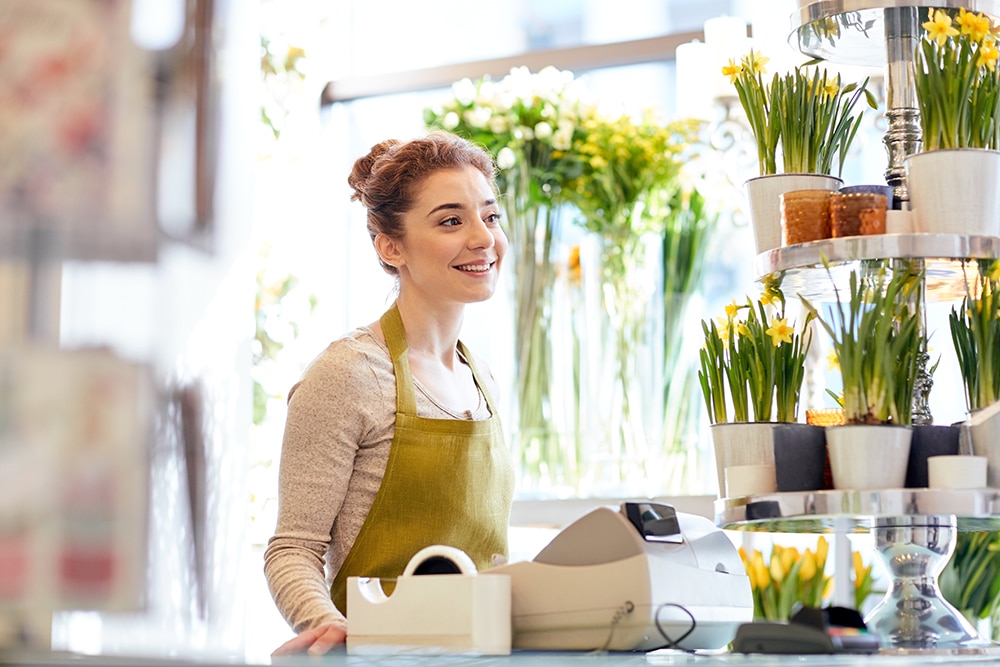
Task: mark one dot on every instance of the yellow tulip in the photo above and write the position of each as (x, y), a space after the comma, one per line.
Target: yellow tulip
(789, 557)
(776, 570)
(808, 568)
(822, 548)
(760, 571)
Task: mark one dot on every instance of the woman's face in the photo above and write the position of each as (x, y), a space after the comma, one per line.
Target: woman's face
(452, 245)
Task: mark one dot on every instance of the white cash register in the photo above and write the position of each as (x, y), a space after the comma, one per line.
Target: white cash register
(642, 578)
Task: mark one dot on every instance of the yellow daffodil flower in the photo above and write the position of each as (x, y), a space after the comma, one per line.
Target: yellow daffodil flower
(939, 27)
(832, 88)
(780, 332)
(757, 62)
(976, 26)
(722, 326)
(742, 329)
(732, 69)
(832, 361)
(732, 309)
(988, 54)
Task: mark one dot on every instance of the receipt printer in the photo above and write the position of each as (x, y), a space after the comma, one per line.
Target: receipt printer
(642, 578)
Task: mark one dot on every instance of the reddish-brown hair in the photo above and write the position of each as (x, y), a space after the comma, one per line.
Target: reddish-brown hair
(386, 180)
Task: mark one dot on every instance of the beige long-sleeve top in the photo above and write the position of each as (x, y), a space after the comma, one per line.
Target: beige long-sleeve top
(340, 424)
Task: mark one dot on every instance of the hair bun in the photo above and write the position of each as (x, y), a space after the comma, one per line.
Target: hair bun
(365, 166)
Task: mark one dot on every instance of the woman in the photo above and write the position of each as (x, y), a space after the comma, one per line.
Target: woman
(392, 441)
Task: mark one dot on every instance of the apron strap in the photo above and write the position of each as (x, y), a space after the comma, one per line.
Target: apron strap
(395, 339)
(479, 380)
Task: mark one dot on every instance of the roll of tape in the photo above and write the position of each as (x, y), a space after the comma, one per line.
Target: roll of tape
(437, 555)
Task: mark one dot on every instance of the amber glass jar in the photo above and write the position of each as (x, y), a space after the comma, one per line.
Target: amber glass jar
(805, 216)
(857, 213)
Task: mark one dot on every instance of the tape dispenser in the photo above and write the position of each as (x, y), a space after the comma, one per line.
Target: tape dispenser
(440, 606)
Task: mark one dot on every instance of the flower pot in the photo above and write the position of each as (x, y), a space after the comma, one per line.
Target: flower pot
(929, 440)
(740, 444)
(955, 191)
(799, 457)
(984, 433)
(763, 193)
(864, 456)
(796, 451)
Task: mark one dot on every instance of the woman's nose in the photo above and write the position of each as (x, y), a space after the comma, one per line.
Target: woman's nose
(481, 236)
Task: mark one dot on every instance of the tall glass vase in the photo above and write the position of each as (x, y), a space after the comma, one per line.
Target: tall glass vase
(619, 404)
(683, 465)
(545, 465)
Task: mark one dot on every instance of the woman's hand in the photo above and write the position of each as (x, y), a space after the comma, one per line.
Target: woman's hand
(316, 641)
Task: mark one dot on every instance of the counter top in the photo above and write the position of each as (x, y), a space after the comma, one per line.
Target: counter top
(664, 658)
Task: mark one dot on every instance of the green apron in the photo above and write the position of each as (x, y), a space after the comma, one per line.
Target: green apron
(447, 481)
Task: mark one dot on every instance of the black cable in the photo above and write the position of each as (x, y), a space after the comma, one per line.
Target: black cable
(673, 643)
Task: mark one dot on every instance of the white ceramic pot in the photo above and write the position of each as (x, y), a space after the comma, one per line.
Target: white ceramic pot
(741, 444)
(955, 191)
(984, 431)
(864, 456)
(764, 196)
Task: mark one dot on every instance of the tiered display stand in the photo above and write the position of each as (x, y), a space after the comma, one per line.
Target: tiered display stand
(914, 529)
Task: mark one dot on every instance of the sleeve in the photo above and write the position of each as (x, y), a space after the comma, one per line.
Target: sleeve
(327, 422)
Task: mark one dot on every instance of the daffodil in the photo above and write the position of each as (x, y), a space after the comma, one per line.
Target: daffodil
(732, 309)
(732, 69)
(874, 333)
(762, 370)
(780, 332)
(988, 55)
(804, 117)
(976, 26)
(939, 26)
(722, 323)
(756, 63)
(956, 81)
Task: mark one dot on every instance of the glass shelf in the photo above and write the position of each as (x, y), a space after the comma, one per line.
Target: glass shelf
(852, 32)
(914, 531)
(949, 261)
(855, 511)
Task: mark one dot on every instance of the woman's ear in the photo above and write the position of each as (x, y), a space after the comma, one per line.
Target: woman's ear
(388, 250)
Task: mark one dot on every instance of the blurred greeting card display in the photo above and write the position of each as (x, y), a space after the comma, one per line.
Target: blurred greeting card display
(74, 470)
(76, 134)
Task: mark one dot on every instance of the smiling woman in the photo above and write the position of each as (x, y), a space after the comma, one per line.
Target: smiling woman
(360, 491)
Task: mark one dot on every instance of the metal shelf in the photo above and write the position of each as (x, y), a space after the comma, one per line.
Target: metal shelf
(856, 511)
(949, 262)
(853, 31)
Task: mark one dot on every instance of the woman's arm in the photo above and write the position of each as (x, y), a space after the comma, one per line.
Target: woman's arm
(334, 425)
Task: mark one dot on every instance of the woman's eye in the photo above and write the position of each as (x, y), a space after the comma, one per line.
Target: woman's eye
(451, 222)
(492, 219)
